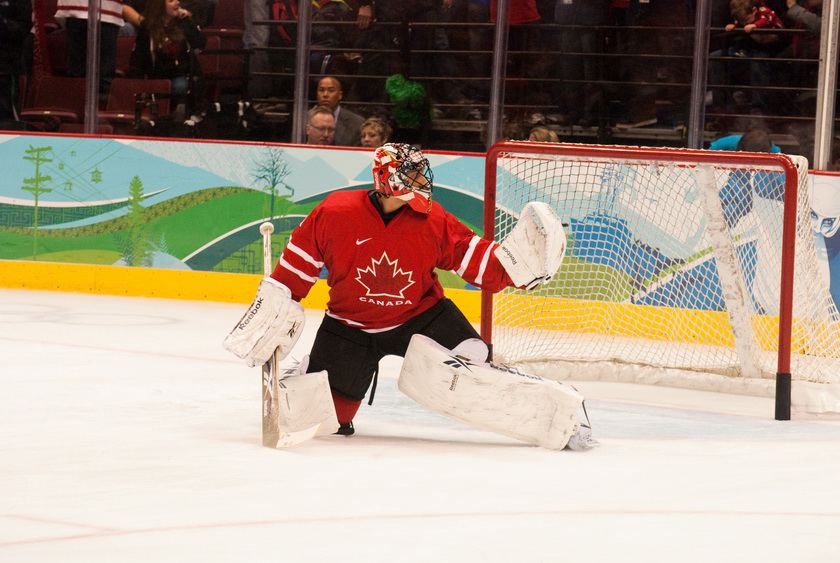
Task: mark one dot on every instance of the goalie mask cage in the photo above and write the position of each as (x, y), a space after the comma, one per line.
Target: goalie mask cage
(688, 268)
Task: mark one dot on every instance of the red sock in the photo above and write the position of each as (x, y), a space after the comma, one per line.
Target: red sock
(345, 409)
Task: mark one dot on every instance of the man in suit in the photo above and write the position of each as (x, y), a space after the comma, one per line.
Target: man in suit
(348, 125)
(320, 129)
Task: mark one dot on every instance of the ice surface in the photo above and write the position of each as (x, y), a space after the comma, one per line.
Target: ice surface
(129, 434)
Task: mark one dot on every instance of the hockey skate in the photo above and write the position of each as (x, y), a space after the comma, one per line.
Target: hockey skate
(346, 429)
(582, 439)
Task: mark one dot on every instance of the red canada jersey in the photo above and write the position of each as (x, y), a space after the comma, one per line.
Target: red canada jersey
(380, 276)
(765, 17)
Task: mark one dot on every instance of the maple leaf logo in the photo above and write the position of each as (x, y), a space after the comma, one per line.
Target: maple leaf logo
(384, 278)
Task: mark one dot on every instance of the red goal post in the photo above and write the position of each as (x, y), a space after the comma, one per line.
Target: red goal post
(626, 210)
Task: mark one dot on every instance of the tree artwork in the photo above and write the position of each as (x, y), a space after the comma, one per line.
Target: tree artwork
(269, 173)
(137, 248)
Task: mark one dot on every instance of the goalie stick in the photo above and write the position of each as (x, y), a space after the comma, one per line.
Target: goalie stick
(270, 376)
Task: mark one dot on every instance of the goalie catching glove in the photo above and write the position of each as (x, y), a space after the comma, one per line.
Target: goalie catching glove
(273, 322)
(533, 250)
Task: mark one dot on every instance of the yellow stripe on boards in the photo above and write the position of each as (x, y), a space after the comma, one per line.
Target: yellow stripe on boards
(170, 284)
(668, 324)
(618, 319)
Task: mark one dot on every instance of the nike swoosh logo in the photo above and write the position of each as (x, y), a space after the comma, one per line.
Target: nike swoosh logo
(362, 241)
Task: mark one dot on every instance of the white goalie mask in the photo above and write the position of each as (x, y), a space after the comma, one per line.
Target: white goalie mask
(825, 205)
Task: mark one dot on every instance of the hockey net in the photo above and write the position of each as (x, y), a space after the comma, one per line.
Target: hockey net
(673, 273)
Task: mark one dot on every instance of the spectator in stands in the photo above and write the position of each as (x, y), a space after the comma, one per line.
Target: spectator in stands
(331, 44)
(74, 13)
(580, 102)
(15, 21)
(375, 132)
(753, 140)
(543, 135)
(808, 16)
(512, 129)
(320, 129)
(479, 39)
(523, 35)
(439, 63)
(166, 46)
(132, 13)
(364, 38)
(348, 124)
(391, 31)
(202, 10)
(255, 39)
(199, 10)
(369, 36)
(651, 97)
(364, 14)
(755, 15)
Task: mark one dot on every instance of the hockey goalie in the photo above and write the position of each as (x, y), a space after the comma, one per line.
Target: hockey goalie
(381, 248)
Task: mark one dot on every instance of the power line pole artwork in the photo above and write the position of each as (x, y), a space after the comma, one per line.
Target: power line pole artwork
(37, 187)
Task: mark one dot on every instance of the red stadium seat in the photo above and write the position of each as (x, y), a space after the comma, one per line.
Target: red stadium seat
(228, 19)
(54, 99)
(122, 110)
(125, 45)
(221, 73)
(57, 51)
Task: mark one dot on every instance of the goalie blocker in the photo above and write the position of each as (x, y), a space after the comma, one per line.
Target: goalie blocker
(526, 407)
(273, 322)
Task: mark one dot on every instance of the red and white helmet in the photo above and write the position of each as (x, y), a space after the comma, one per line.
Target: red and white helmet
(401, 171)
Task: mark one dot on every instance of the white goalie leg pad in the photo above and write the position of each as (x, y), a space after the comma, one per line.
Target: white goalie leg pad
(521, 406)
(274, 321)
(305, 404)
(533, 250)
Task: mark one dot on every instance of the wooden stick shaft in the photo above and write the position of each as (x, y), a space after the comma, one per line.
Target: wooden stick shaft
(266, 233)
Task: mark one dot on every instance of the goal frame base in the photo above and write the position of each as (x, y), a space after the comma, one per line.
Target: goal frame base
(804, 398)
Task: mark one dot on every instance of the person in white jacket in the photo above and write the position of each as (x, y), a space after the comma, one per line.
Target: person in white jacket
(74, 14)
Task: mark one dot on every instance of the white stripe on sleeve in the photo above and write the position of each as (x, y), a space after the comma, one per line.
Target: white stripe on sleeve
(468, 256)
(484, 260)
(297, 272)
(303, 254)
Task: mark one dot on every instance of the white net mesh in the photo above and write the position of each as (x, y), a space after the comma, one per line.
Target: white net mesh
(667, 261)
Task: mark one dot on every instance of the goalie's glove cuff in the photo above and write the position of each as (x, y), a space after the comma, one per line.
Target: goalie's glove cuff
(536, 282)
